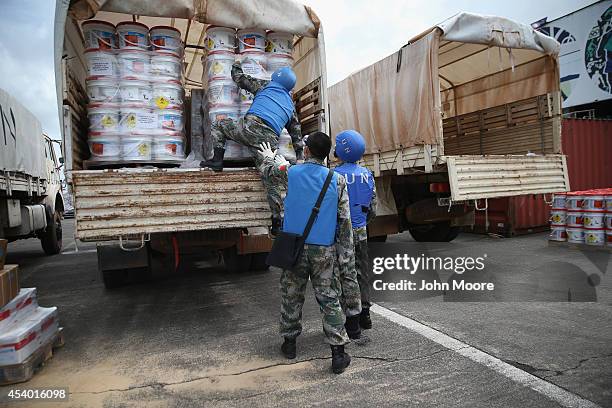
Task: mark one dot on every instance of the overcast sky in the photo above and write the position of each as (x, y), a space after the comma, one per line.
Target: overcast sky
(357, 33)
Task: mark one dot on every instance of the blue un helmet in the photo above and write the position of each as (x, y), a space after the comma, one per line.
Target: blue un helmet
(285, 77)
(350, 146)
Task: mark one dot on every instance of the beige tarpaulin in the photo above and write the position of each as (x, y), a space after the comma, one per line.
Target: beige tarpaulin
(467, 63)
(279, 15)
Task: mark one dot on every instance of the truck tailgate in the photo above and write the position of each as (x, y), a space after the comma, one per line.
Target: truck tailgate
(476, 177)
(113, 203)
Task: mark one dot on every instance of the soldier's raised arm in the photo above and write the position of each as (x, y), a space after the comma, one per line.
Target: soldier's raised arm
(247, 82)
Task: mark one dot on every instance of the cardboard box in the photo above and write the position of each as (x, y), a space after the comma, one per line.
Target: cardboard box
(9, 283)
(3, 246)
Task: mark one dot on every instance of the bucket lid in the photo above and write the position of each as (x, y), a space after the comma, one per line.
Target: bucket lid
(131, 23)
(174, 83)
(218, 26)
(135, 105)
(283, 56)
(90, 22)
(103, 105)
(133, 82)
(171, 108)
(163, 27)
(114, 135)
(251, 31)
(253, 51)
(132, 51)
(219, 53)
(165, 54)
(223, 106)
(102, 51)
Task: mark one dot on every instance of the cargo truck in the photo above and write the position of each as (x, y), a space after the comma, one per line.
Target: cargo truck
(466, 111)
(31, 204)
(144, 219)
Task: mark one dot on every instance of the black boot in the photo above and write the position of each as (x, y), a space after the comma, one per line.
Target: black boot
(364, 319)
(340, 359)
(288, 348)
(352, 327)
(277, 223)
(216, 163)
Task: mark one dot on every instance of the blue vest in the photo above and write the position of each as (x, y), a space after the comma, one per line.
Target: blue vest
(273, 105)
(304, 185)
(360, 185)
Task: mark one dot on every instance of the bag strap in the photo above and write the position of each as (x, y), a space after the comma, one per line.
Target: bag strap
(317, 206)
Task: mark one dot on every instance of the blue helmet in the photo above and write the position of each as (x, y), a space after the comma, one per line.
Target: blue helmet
(350, 146)
(285, 77)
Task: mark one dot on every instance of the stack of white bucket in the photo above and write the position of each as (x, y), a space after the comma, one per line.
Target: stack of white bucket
(135, 90)
(225, 99)
(582, 217)
(25, 327)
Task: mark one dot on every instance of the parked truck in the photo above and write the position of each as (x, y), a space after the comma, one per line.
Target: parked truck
(466, 111)
(145, 219)
(31, 204)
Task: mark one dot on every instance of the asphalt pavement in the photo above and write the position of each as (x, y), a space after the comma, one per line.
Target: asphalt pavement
(209, 338)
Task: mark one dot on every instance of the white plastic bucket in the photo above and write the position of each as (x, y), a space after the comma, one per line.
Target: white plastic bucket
(557, 217)
(137, 118)
(133, 91)
(133, 35)
(220, 38)
(593, 220)
(254, 63)
(595, 237)
(136, 147)
(103, 90)
(220, 112)
(223, 92)
(279, 61)
(167, 93)
(575, 235)
(98, 35)
(280, 43)
(217, 65)
(166, 39)
(557, 233)
(609, 202)
(104, 146)
(101, 64)
(594, 203)
(558, 201)
(573, 202)
(608, 220)
(164, 65)
(103, 117)
(574, 219)
(169, 147)
(285, 146)
(170, 118)
(134, 64)
(251, 39)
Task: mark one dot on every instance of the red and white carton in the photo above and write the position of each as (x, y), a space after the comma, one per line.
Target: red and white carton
(24, 337)
(19, 308)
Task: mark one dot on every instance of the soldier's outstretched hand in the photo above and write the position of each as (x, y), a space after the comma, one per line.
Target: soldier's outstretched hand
(265, 150)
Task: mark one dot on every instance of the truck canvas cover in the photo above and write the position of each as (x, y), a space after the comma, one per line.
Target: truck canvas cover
(21, 145)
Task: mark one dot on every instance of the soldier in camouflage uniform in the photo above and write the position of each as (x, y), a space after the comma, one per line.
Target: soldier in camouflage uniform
(350, 146)
(320, 262)
(262, 123)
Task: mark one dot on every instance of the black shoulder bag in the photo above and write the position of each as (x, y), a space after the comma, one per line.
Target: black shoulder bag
(288, 246)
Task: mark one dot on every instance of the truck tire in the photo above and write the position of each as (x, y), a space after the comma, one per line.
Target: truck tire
(258, 261)
(234, 262)
(438, 232)
(378, 238)
(51, 238)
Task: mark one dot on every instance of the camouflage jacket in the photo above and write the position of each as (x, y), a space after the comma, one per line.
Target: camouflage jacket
(361, 233)
(254, 85)
(344, 229)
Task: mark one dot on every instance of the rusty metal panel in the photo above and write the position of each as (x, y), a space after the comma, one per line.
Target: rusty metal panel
(477, 177)
(587, 143)
(114, 203)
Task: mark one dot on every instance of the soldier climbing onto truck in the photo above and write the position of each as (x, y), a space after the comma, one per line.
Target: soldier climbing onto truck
(328, 249)
(271, 111)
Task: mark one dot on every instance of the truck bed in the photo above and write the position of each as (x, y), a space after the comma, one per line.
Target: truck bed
(116, 203)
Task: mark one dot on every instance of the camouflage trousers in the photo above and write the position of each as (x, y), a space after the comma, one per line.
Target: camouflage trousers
(317, 263)
(363, 272)
(252, 134)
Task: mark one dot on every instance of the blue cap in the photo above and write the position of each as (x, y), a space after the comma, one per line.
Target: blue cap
(350, 146)
(285, 77)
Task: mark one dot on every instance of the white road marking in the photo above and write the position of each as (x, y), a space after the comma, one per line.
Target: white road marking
(549, 390)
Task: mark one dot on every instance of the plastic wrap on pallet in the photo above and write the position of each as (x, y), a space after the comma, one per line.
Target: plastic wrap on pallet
(18, 308)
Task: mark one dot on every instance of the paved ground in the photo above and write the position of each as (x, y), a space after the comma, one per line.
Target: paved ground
(207, 338)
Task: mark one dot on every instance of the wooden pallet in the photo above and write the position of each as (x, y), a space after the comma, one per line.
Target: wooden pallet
(309, 106)
(581, 247)
(18, 373)
(117, 164)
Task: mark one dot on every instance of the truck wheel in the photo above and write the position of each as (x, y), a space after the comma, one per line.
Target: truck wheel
(51, 238)
(258, 261)
(378, 238)
(234, 262)
(438, 232)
